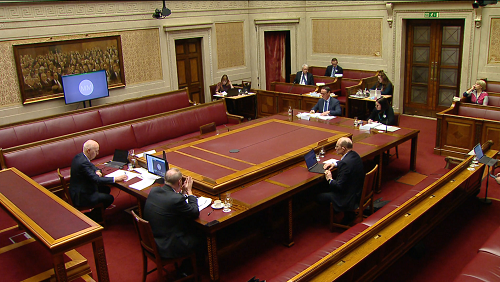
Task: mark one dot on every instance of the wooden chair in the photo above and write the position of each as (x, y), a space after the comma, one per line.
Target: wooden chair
(365, 201)
(209, 127)
(150, 250)
(67, 197)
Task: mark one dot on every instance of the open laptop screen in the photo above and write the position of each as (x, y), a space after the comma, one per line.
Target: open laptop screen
(478, 151)
(310, 159)
(156, 166)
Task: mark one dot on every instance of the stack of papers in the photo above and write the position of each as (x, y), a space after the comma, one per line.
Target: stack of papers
(379, 126)
(307, 116)
(147, 152)
(203, 202)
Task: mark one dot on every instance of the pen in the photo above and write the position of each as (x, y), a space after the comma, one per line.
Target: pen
(210, 212)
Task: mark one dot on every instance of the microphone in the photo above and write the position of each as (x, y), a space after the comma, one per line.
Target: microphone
(290, 90)
(227, 128)
(386, 121)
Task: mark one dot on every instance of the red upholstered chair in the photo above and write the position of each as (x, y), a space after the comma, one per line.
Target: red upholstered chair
(67, 197)
(365, 201)
(150, 250)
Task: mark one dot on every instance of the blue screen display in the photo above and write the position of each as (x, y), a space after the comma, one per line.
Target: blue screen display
(85, 86)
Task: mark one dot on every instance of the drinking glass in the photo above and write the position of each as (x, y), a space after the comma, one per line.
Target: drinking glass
(322, 152)
(355, 121)
(228, 203)
(131, 159)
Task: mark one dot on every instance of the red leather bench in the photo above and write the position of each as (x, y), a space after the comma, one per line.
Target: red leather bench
(19, 134)
(486, 264)
(41, 160)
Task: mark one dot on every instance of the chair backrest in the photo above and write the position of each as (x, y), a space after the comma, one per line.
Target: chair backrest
(65, 187)
(368, 188)
(397, 117)
(206, 128)
(146, 236)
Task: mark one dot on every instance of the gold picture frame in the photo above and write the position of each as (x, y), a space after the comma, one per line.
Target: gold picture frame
(41, 65)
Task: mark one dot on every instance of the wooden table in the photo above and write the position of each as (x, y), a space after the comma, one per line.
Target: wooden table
(256, 183)
(53, 222)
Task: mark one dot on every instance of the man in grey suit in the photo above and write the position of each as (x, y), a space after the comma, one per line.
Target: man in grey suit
(171, 210)
(327, 106)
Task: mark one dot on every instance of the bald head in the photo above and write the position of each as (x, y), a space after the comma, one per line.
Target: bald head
(172, 177)
(345, 142)
(91, 149)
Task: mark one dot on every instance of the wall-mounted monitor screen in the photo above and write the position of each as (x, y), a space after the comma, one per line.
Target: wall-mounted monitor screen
(85, 86)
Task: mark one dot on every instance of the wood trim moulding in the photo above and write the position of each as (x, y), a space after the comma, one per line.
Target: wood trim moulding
(277, 21)
(187, 27)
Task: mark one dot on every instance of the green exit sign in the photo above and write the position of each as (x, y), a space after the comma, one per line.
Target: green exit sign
(431, 15)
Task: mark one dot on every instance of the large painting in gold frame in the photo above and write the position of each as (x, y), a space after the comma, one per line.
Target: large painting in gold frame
(41, 65)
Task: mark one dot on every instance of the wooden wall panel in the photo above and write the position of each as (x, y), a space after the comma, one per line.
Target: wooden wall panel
(459, 133)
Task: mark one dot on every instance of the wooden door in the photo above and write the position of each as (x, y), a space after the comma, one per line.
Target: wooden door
(433, 64)
(189, 67)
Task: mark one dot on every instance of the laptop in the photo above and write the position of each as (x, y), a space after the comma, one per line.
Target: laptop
(120, 158)
(156, 166)
(482, 158)
(312, 163)
(233, 92)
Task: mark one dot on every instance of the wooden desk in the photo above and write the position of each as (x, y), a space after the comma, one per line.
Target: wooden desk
(358, 106)
(261, 183)
(243, 105)
(53, 222)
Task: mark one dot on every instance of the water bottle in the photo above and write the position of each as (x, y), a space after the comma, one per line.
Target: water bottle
(290, 111)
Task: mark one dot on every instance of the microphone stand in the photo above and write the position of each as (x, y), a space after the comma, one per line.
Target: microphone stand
(486, 200)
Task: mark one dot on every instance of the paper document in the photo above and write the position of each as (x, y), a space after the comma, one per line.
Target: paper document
(331, 161)
(147, 152)
(388, 128)
(203, 202)
(129, 174)
(144, 183)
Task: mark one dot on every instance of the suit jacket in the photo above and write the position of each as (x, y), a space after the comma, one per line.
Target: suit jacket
(309, 78)
(348, 185)
(171, 219)
(84, 181)
(389, 119)
(328, 71)
(333, 107)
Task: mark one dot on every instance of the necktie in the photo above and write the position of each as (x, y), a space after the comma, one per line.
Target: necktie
(333, 72)
(325, 106)
(303, 79)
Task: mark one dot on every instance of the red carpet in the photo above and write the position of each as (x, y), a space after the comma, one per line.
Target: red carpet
(448, 248)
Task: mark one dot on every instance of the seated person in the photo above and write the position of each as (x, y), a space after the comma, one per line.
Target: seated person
(87, 186)
(224, 85)
(304, 77)
(327, 106)
(171, 210)
(382, 112)
(383, 84)
(344, 192)
(482, 97)
(334, 68)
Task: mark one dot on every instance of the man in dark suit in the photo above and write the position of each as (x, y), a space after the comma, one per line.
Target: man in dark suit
(304, 77)
(87, 186)
(344, 191)
(327, 105)
(172, 218)
(334, 68)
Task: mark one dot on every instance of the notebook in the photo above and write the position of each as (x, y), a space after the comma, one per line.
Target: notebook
(120, 158)
(156, 166)
(482, 158)
(312, 163)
